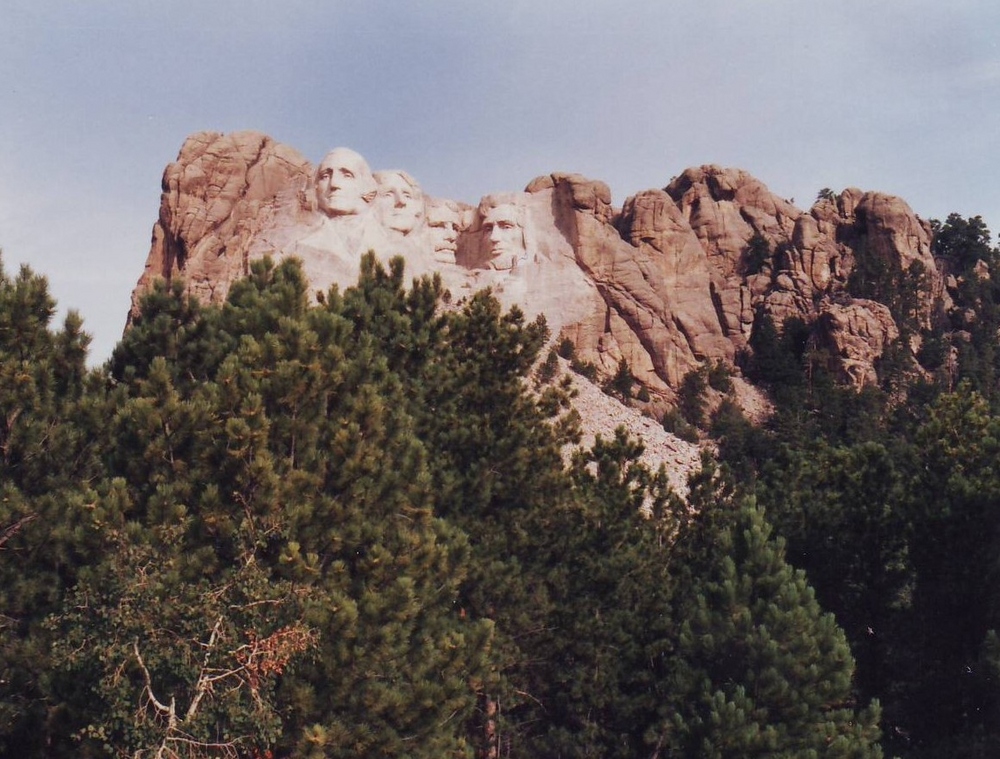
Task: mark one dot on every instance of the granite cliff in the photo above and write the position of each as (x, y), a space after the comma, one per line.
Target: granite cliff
(674, 279)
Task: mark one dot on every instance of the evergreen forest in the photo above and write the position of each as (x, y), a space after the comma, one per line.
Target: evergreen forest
(279, 528)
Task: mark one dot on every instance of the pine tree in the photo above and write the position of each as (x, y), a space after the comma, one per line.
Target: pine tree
(266, 481)
(495, 464)
(761, 670)
(843, 511)
(47, 460)
(954, 523)
(347, 529)
(606, 652)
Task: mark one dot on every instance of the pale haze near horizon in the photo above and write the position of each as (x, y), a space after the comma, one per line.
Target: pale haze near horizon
(899, 96)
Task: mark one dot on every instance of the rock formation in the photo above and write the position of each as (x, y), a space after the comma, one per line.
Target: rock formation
(218, 196)
(673, 279)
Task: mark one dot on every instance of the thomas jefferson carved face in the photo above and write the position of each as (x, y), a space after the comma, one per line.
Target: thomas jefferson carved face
(444, 221)
(344, 183)
(400, 201)
(503, 235)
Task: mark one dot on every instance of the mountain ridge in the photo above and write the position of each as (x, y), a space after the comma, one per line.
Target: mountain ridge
(675, 280)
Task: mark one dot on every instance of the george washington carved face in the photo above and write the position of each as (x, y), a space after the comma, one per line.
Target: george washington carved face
(344, 184)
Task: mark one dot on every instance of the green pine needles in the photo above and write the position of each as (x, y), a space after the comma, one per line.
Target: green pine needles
(281, 529)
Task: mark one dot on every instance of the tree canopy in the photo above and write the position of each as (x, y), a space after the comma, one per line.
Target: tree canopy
(278, 528)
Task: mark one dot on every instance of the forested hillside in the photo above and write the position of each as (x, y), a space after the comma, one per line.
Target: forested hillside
(268, 528)
(889, 497)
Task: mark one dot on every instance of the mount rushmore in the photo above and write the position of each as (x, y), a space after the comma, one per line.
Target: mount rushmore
(673, 279)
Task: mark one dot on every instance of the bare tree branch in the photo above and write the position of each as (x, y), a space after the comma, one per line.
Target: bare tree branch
(204, 683)
(169, 711)
(10, 531)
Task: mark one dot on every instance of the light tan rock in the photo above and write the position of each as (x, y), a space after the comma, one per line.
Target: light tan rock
(855, 335)
(662, 283)
(893, 231)
(816, 254)
(726, 208)
(651, 277)
(217, 197)
(884, 228)
(400, 202)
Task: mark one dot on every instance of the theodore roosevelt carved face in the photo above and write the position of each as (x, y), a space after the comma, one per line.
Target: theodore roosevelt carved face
(400, 201)
(444, 222)
(344, 184)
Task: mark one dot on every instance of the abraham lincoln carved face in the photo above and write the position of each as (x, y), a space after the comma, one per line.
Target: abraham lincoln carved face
(503, 235)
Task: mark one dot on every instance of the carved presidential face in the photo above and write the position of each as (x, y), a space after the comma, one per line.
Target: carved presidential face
(444, 223)
(503, 235)
(344, 183)
(400, 201)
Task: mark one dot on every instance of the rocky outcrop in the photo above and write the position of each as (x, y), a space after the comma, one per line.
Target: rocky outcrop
(218, 195)
(854, 335)
(656, 310)
(673, 279)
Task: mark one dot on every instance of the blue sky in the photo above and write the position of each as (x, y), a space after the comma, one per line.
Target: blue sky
(96, 97)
